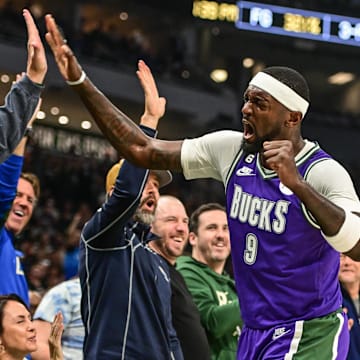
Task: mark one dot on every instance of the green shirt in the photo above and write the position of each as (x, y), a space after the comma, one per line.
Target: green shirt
(215, 296)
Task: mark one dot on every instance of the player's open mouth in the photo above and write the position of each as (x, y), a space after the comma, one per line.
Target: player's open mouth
(249, 132)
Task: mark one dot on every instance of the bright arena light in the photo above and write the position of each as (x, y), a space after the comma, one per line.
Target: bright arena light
(41, 115)
(123, 16)
(54, 110)
(341, 78)
(86, 124)
(248, 62)
(63, 120)
(5, 78)
(219, 75)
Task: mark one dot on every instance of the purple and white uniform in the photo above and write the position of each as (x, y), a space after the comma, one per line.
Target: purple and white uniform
(284, 268)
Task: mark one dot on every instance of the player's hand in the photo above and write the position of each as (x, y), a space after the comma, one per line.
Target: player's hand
(278, 155)
(65, 59)
(36, 61)
(154, 104)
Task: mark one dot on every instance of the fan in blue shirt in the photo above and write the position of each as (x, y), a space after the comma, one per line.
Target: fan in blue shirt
(18, 195)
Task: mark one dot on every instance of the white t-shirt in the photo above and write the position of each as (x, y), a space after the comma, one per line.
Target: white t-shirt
(66, 298)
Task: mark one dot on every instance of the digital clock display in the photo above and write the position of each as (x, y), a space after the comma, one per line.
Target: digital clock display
(298, 23)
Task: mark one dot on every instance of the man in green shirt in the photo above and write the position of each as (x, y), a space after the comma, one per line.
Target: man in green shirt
(212, 289)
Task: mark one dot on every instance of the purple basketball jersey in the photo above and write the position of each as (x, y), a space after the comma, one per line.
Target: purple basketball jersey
(283, 266)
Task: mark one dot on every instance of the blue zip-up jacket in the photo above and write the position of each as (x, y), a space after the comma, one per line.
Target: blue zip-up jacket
(126, 292)
(12, 279)
(20, 104)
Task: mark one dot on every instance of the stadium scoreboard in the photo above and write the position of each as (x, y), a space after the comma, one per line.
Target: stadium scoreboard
(298, 23)
(279, 20)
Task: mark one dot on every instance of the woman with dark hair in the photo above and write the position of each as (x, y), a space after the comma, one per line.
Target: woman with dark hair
(17, 331)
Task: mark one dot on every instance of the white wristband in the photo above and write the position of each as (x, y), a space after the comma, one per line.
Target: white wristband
(348, 235)
(79, 81)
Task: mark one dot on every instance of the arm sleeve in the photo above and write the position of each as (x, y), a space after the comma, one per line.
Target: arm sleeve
(332, 180)
(121, 205)
(211, 155)
(20, 104)
(10, 171)
(55, 300)
(218, 320)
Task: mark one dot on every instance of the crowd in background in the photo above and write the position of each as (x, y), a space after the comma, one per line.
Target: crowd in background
(101, 41)
(72, 188)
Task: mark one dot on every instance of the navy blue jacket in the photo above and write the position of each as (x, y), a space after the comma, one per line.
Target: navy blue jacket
(126, 290)
(354, 349)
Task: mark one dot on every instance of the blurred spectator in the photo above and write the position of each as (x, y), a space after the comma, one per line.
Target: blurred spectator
(349, 276)
(36, 276)
(71, 257)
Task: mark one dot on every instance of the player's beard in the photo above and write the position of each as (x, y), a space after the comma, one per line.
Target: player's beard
(252, 148)
(144, 217)
(257, 145)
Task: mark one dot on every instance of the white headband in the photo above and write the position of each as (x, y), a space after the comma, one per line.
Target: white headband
(281, 92)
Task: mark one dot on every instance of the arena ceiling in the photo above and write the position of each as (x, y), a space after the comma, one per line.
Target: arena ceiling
(220, 43)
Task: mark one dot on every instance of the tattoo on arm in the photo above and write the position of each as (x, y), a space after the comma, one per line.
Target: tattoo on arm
(125, 135)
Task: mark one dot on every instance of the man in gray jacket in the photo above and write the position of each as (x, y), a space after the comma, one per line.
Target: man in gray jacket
(24, 95)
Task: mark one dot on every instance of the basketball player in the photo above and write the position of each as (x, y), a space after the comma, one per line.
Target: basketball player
(291, 208)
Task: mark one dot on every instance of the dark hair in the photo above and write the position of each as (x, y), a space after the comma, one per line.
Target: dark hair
(290, 77)
(194, 218)
(4, 299)
(34, 181)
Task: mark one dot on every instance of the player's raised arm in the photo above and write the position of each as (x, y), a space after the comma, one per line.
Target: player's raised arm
(120, 130)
